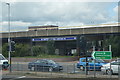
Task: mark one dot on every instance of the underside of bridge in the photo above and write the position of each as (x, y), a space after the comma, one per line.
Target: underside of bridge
(67, 46)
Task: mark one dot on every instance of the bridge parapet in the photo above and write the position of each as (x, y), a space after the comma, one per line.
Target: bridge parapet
(57, 32)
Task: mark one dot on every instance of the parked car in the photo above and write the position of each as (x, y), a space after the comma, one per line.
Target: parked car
(115, 67)
(3, 62)
(82, 63)
(44, 64)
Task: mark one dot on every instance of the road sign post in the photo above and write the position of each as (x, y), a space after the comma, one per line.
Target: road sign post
(110, 60)
(94, 63)
(102, 55)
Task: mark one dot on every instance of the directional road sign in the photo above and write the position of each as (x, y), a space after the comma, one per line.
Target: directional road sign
(102, 54)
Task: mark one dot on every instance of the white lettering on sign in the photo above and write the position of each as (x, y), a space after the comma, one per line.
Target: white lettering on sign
(55, 39)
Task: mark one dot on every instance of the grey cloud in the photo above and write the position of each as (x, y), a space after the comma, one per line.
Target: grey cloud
(64, 13)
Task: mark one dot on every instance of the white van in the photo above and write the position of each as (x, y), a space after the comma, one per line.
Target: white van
(3, 62)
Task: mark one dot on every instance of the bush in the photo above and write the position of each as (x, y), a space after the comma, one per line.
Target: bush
(38, 50)
(4, 49)
(21, 50)
(115, 45)
(50, 48)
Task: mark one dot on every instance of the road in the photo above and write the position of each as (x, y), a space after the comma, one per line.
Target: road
(25, 77)
(60, 79)
(15, 77)
(23, 66)
(12, 77)
(68, 68)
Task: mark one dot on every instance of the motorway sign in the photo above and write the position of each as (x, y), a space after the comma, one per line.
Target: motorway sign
(102, 55)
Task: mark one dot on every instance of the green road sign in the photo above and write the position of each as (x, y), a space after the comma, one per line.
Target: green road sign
(102, 54)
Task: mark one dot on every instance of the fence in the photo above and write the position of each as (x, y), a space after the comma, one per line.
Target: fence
(70, 70)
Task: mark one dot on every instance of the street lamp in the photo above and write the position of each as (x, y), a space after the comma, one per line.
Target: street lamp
(9, 39)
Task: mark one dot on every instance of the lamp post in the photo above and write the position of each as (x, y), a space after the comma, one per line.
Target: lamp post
(9, 38)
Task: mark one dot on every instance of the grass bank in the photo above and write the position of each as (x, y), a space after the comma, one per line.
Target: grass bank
(46, 56)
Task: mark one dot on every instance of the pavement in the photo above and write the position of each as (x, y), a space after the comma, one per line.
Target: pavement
(60, 79)
(33, 74)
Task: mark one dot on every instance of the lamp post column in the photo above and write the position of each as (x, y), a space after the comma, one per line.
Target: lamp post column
(9, 38)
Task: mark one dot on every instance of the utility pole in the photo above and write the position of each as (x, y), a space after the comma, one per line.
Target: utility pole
(83, 43)
(9, 38)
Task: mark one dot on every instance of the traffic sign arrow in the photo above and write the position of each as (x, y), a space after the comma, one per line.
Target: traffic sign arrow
(102, 55)
(93, 55)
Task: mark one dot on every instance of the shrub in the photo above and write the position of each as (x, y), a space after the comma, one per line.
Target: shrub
(50, 48)
(38, 50)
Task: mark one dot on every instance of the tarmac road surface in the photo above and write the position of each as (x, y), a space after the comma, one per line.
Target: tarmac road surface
(60, 79)
(68, 68)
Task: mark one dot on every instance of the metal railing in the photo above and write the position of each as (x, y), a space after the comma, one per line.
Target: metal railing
(70, 70)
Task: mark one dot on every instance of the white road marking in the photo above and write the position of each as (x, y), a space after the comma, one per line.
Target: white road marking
(22, 77)
(18, 78)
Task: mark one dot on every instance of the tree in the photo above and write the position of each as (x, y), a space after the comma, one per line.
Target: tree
(4, 49)
(50, 47)
(115, 44)
(38, 50)
(21, 50)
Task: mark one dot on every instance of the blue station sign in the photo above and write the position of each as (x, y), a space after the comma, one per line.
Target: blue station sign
(54, 39)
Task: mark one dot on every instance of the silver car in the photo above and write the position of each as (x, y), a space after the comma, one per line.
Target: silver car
(115, 67)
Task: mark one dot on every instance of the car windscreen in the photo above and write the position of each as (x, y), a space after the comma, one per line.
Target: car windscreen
(2, 57)
(51, 61)
(115, 63)
(99, 60)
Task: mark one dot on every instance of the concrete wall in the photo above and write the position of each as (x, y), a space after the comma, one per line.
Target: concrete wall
(91, 30)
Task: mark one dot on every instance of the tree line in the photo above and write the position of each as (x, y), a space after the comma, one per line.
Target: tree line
(22, 49)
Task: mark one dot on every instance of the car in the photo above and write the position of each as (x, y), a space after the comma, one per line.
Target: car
(82, 63)
(115, 67)
(4, 62)
(44, 65)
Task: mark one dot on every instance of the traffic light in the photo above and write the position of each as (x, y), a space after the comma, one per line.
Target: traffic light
(12, 46)
(82, 42)
(83, 46)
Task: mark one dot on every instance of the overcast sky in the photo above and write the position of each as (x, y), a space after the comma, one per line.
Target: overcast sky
(24, 14)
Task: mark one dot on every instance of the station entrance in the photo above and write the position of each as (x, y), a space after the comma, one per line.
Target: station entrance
(70, 45)
(63, 45)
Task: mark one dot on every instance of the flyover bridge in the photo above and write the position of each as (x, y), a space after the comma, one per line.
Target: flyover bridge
(63, 32)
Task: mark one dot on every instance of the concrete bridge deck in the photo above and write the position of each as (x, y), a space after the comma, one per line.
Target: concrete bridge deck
(60, 32)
